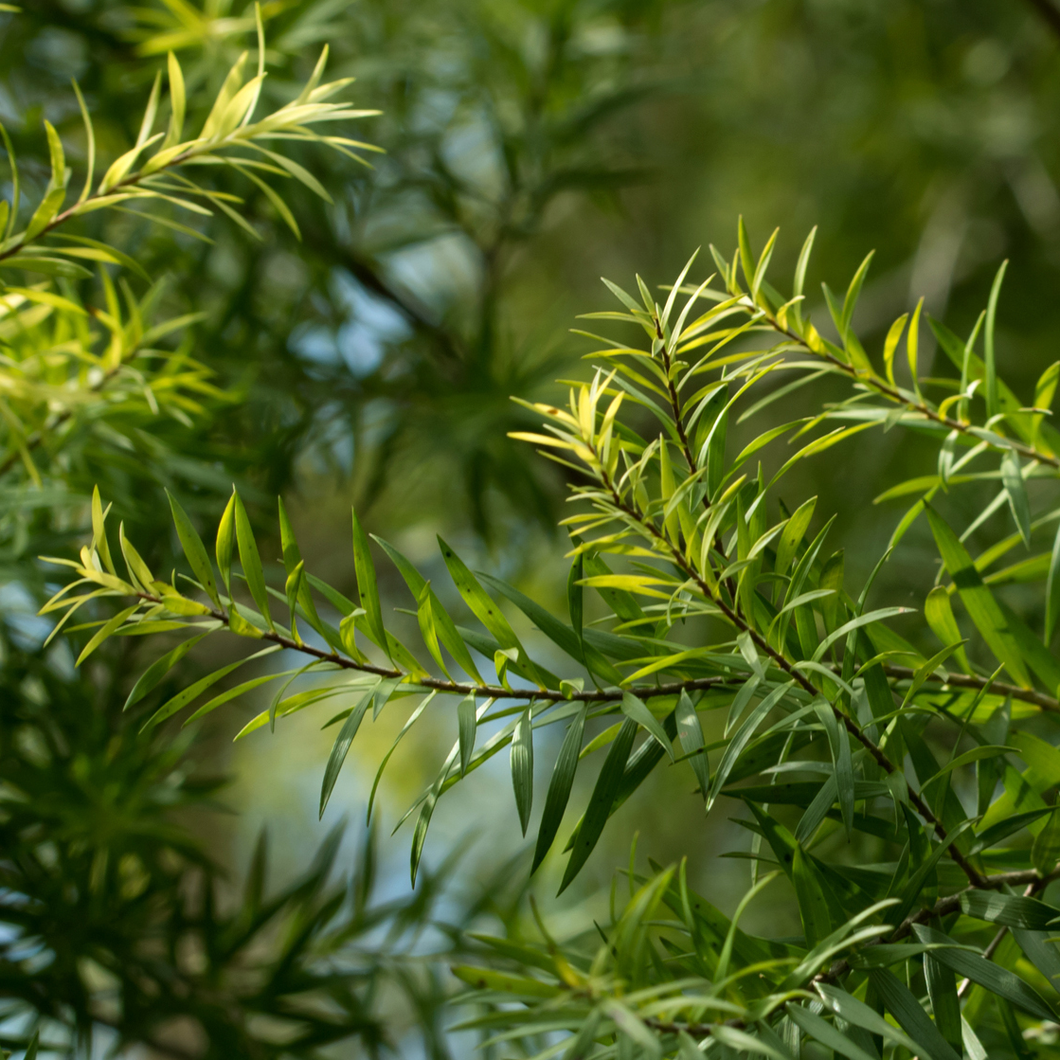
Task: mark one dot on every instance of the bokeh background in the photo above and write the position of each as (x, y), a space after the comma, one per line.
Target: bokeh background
(532, 146)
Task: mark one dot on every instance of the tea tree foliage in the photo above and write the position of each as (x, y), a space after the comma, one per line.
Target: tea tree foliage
(903, 795)
(117, 924)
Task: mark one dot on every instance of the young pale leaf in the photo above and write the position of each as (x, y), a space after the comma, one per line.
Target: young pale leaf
(990, 355)
(226, 542)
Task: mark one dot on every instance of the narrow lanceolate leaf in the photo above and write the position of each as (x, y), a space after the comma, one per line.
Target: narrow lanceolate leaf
(823, 1032)
(792, 534)
(742, 737)
(226, 533)
(911, 1017)
(483, 607)
(559, 787)
(158, 669)
(638, 711)
(1016, 489)
(945, 1004)
(856, 1012)
(444, 625)
(194, 549)
(366, 585)
(987, 974)
(341, 747)
(1052, 591)
(104, 632)
(251, 561)
(522, 763)
(690, 736)
(467, 722)
(1014, 911)
(423, 822)
(977, 598)
(990, 358)
(938, 612)
(599, 808)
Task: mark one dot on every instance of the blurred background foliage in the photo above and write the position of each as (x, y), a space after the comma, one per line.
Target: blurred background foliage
(530, 146)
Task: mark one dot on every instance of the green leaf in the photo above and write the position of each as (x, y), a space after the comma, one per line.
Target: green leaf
(138, 570)
(1052, 591)
(444, 625)
(853, 291)
(522, 764)
(559, 787)
(938, 612)
(911, 345)
(251, 560)
(849, 1008)
(466, 724)
(638, 711)
(742, 737)
(104, 632)
(890, 346)
(1014, 911)
(997, 980)
(150, 678)
(990, 356)
(568, 639)
(575, 593)
(194, 549)
(905, 1008)
(193, 691)
(226, 541)
(1016, 489)
(690, 736)
(945, 1004)
(813, 903)
(367, 590)
(423, 822)
(825, 1033)
(977, 598)
(1046, 850)
(599, 808)
(341, 747)
(1041, 951)
(483, 607)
